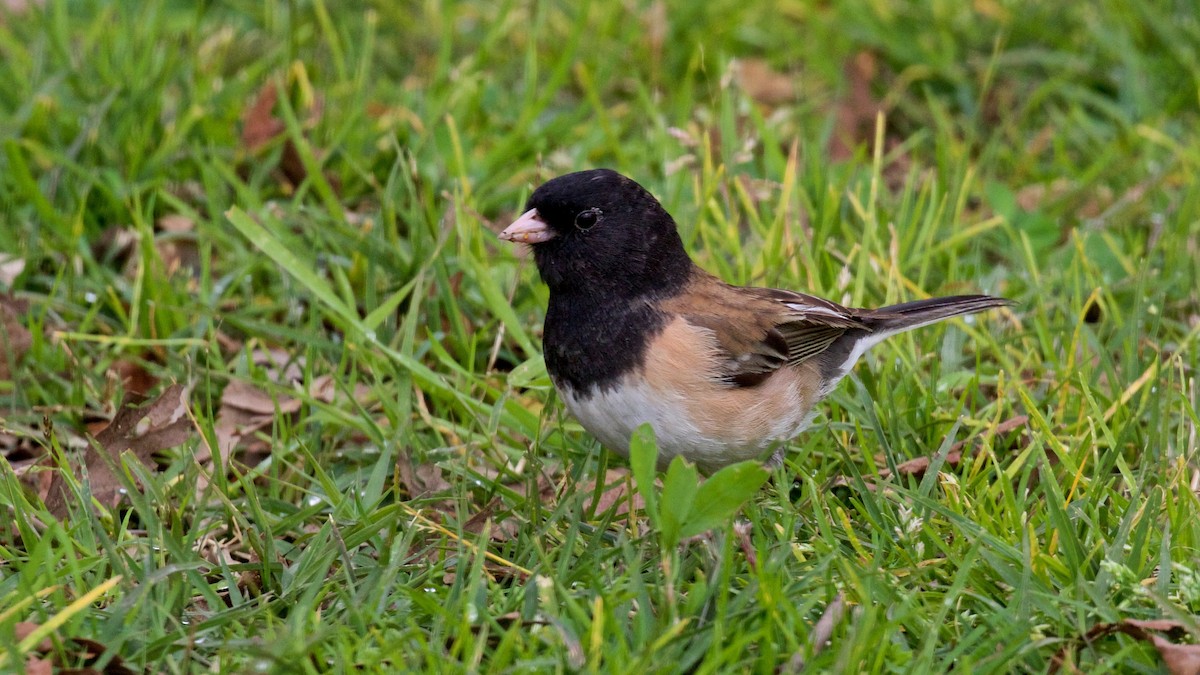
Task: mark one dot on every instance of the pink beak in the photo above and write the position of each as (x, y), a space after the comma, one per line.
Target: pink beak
(528, 229)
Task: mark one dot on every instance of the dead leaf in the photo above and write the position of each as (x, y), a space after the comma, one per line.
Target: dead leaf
(821, 634)
(144, 431)
(259, 124)
(18, 7)
(617, 491)
(36, 665)
(260, 127)
(324, 388)
(741, 529)
(420, 481)
(15, 339)
(176, 245)
(281, 365)
(762, 83)
(854, 118)
(503, 530)
(917, 467)
(655, 21)
(245, 410)
(1180, 659)
(115, 246)
(10, 268)
(133, 376)
(1092, 201)
(76, 652)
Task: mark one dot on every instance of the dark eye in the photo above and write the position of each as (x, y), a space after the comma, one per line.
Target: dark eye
(586, 220)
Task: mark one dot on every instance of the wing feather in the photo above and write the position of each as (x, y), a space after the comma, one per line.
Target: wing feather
(760, 330)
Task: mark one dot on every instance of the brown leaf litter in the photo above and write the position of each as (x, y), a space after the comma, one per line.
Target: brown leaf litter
(1179, 659)
(77, 655)
(143, 430)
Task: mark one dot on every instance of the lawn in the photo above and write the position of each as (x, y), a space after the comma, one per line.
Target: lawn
(271, 392)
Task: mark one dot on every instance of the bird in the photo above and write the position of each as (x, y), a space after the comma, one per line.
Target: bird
(635, 332)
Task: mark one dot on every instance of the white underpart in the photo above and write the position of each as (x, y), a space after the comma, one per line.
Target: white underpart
(856, 353)
(612, 415)
(865, 344)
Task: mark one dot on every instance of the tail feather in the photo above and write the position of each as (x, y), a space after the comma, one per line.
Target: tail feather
(880, 324)
(908, 315)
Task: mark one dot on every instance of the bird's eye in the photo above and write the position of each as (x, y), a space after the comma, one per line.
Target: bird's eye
(586, 220)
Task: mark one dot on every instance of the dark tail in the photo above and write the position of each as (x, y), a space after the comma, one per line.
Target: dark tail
(907, 315)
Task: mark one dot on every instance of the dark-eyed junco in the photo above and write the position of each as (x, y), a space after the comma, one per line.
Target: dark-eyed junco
(636, 332)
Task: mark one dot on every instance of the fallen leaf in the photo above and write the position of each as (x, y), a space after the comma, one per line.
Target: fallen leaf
(762, 83)
(420, 481)
(259, 124)
(503, 530)
(10, 268)
(245, 410)
(854, 117)
(176, 245)
(76, 652)
(115, 246)
(36, 665)
(133, 376)
(143, 430)
(917, 466)
(821, 634)
(1180, 659)
(325, 388)
(260, 127)
(15, 339)
(656, 28)
(1092, 201)
(18, 7)
(616, 491)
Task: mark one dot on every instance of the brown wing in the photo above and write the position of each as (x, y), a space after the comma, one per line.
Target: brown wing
(760, 330)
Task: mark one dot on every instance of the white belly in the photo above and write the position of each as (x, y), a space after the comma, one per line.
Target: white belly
(709, 440)
(708, 422)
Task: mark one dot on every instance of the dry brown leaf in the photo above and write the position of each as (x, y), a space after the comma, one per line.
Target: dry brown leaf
(324, 388)
(821, 634)
(43, 659)
(1033, 196)
(259, 124)
(854, 119)
(14, 8)
(115, 245)
(503, 530)
(245, 410)
(246, 396)
(917, 467)
(36, 665)
(617, 491)
(15, 339)
(133, 376)
(260, 127)
(281, 366)
(762, 83)
(176, 244)
(1179, 659)
(10, 268)
(420, 481)
(143, 431)
(657, 28)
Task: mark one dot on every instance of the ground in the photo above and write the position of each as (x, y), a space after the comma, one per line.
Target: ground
(249, 280)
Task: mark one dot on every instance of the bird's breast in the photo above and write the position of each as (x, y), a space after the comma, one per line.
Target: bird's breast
(676, 388)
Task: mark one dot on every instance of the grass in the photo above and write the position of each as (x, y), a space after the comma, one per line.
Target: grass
(1045, 153)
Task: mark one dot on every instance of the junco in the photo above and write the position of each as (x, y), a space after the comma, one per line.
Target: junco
(636, 332)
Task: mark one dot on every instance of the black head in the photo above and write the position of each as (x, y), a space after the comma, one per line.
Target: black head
(600, 231)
